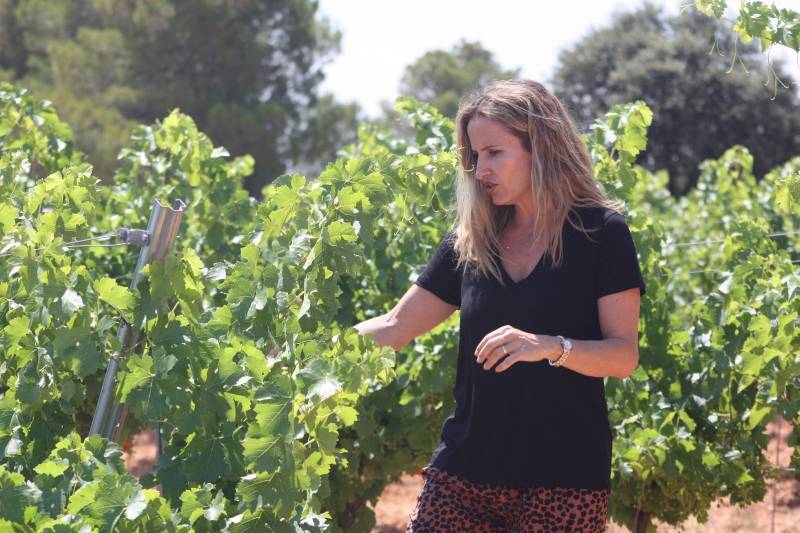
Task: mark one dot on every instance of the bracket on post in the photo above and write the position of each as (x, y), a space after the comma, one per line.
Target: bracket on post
(133, 236)
(156, 242)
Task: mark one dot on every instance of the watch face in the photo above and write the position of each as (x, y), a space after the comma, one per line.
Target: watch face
(567, 344)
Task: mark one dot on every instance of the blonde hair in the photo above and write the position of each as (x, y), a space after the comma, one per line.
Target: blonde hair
(561, 173)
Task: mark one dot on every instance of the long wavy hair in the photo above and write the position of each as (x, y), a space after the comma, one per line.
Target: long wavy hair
(561, 174)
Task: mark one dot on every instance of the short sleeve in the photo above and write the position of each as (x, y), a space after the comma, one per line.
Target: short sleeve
(617, 262)
(441, 276)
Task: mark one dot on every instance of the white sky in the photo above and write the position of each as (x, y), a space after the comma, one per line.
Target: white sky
(381, 37)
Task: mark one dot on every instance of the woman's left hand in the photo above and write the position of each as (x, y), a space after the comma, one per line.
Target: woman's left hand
(519, 346)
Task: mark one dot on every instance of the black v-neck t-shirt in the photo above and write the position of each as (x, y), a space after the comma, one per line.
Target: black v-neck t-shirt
(534, 424)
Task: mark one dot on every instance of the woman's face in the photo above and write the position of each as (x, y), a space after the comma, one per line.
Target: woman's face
(503, 165)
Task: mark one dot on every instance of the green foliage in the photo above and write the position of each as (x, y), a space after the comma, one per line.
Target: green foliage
(442, 77)
(275, 412)
(234, 419)
(682, 67)
(79, 486)
(712, 8)
(32, 126)
(758, 20)
(323, 129)
(719, 330)
(248, 72)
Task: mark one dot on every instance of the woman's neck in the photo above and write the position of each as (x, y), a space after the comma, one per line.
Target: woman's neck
(524, 218)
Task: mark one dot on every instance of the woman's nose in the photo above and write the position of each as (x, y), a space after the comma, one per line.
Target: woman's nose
(481, 172)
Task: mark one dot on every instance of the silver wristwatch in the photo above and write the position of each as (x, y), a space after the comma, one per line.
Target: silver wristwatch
(566, 348)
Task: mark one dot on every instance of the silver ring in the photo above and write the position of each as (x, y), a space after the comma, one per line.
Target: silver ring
(505, 352)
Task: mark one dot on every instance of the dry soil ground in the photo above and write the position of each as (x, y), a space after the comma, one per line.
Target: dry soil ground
(782, 503)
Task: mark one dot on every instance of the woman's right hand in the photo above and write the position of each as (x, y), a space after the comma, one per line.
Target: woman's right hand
(379, 328)
(417, 312)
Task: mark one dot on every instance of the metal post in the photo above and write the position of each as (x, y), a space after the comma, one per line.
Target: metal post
(162, 229)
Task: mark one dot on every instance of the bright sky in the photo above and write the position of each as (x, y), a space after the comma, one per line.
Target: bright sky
(381, 37)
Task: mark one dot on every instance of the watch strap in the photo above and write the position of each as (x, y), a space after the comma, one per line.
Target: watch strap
(564, 352)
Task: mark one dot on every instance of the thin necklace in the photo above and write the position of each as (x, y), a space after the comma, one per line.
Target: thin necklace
(509, 247)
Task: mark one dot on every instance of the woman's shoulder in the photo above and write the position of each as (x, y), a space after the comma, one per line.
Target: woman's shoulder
(597, 224)
(595, 217)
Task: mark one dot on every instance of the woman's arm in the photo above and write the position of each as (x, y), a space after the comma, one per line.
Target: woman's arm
(417, 312)
(616, 355)
(378, 328)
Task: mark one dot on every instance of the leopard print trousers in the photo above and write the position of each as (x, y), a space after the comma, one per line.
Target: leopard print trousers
(449, 504)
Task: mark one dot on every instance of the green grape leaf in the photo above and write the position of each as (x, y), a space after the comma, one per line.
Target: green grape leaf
(70, 302)
(52, 468)
(16, 496)
(113, 294)
(137, 372)
(8, 217)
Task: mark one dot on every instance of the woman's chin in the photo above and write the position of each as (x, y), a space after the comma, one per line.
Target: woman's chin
(497, 198)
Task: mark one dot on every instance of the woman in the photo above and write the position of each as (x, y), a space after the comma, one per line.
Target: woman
(544, 270)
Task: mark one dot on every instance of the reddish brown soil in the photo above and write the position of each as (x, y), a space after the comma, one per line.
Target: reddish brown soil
(399, 498)
(141, 456)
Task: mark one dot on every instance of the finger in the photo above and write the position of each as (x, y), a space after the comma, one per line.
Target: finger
(486, 339)
(498, 354)
(492, 343)
(510, 360)
(493, 335)
(482, 345)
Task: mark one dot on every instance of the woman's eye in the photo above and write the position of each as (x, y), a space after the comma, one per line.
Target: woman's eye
(494, 152)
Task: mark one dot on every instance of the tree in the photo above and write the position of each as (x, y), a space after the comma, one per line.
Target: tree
(247, 71)
(12, 51)
(443, 78)
(701, 107)
(322, 131)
